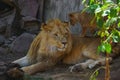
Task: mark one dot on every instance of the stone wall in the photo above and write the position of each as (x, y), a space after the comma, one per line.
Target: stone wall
(60, 9)
(26, 16)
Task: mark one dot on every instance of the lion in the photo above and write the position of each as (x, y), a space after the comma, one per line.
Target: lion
(86, 20)
(54, 44)
(50, 45)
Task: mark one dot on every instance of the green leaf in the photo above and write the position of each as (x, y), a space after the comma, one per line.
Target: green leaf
(94, 76)
(97, 10)
(101, 47)
(110, 21)
(108, 48)
(113, 12)
(100, 22)
(105, 6)
(92, 8)
(115, 39)
(103, 33)
(118, 9)
(104, 47)
(106, 33)
(91, 2)
(83, 2)
(116, 36)
(109, 1)
(105, 13)
(96, 73)
(119, 25)
(118, 1)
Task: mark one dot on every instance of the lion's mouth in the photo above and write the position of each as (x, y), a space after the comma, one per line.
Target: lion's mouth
(63, 48)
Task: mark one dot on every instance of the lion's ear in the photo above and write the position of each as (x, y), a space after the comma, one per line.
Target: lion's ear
(66, 24)
(71, 15)
(45, 27)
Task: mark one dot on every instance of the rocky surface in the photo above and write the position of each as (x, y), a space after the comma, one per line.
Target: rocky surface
(2, 26)
(21, 44)
(2, 39)
(15, 46)
(61, 72)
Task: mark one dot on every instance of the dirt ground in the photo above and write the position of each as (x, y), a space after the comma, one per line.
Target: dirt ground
(61, 71)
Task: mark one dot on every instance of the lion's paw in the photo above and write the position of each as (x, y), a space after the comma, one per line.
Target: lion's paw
(90, 66)
(77, 67)
(15, 73)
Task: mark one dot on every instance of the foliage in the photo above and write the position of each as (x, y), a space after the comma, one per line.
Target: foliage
(107, 15)
(95, 73)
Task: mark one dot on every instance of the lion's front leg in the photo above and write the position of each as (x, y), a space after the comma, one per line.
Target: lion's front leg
(81, 66)
(88, 64)
(22, 61)
(41, 66)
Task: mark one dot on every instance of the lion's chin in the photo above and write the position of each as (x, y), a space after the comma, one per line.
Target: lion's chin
(59, 49)
(62, 49)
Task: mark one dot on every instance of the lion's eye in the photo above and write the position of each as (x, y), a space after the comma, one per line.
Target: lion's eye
(56, 34)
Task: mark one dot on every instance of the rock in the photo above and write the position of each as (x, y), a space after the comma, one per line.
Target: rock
(9, 18)
(115, 69)
(29, 18)
(115, 75)
(30, 24)
(22, 43)
(2, 26)
(2, 70)
(12, 38)
(6, 23)
(3, 51)
(28, 7)
(7, 56)
(2, 40)
(40, 10)
(29, 12)
(3, 54)
(5, 7)
(7, 42)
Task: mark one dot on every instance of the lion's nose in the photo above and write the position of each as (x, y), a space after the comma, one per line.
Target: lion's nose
(64, 43)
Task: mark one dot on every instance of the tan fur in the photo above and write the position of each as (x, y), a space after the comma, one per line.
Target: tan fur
(55, 43)
(86, 20)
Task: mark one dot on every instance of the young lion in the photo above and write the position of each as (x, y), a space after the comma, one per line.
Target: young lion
(85, 19)
(55, 43)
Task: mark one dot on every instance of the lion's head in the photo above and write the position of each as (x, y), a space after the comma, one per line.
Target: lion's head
(54, 39)
(57, 35)
(74, 18)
